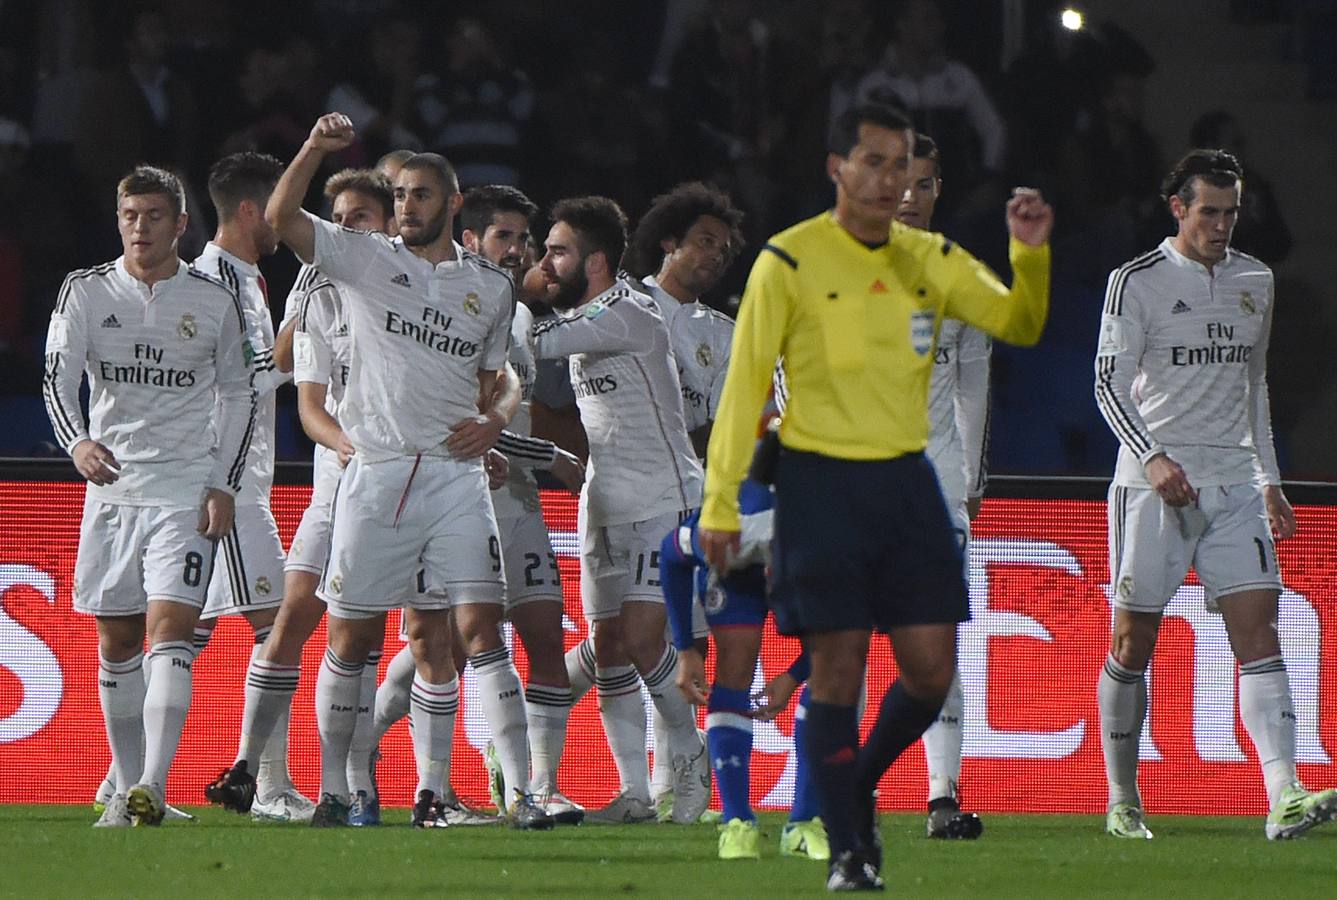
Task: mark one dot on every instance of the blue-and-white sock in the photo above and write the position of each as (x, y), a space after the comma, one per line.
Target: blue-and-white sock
(729, 733)
(805, 788)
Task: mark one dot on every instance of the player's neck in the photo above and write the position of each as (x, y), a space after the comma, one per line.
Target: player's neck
(1185, 248)
(597, 286)
(236, 242)
(153, 274)
(673, 287)
(871, 232)
(438, 251)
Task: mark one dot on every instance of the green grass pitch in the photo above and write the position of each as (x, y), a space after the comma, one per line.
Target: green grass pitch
(51, 851)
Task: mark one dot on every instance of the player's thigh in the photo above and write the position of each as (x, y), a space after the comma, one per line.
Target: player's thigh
(917, 549)
(462, 556)
(248, 576)
(1236, 553)
(373, 554)
(310, 548)
(530, 563)
(108, 576)
(177, 558)
(1151, 545)
(926, 658)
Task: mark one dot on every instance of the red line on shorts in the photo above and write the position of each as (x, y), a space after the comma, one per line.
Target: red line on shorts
(408, 484)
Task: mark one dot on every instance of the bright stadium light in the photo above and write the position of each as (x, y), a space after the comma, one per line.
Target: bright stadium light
(1071, 19)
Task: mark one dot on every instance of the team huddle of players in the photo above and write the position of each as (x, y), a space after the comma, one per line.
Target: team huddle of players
(419, 363)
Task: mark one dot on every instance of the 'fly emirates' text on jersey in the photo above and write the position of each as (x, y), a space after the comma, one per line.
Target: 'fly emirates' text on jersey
(244, 278)
(420, 336)
(1181, 367)
(627, 388)
(169, 382)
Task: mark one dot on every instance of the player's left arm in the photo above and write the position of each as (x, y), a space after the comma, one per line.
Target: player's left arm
(976, 296)
(971, 408)
(1280, 516)
(283, 346)
(234, 422)
(472, 437)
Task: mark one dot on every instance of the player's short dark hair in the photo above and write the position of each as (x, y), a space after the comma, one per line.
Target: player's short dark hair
(599, 223)
(437, 164)
(927, 148)
(1215, 167)
(242, 176)
(481, 205)
(394, 156)
(844, 133)
(365, 181)
(144, 179)
(671, 215)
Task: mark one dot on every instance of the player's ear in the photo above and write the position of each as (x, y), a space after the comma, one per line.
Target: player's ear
(455, 202)
(469, 240)
(833, 163)
(1177, 208)
(181, 222)
(668, 245)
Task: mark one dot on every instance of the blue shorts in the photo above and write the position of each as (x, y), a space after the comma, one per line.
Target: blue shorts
(863, 545)
(737, 599)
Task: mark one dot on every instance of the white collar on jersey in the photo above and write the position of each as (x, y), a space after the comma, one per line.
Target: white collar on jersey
(658, 292)
(123, 274)
(1173, 255)
(251, 270)
(444, 267)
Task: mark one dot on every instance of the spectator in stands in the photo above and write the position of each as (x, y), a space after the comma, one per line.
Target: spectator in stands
(379, 97)
(476, 106)
(942, 96)
(1260, 229)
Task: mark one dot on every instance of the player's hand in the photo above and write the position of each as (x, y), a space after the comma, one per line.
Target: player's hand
(720, 547)
(331, 133)
(569, 470)
(472, 437)
(1167, 478)
(1029, 218)
(692, 677)
(95, 462)
(1280, 516)
(497, 467)
(774, 697)
(343, 449)
(973, 507)
(216, 513)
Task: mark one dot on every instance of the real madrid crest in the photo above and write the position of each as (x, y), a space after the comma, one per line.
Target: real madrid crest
(262, 585)
(704, 356)
(1126, 587)
(1247, 304)
(187, 328)
(296, 546)
(471, 304)
(337, 584)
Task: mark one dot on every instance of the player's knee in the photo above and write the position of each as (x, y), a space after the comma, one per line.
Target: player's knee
(929, 685)
(1132, 649)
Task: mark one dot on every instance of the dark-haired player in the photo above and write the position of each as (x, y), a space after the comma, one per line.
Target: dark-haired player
(1181, 378)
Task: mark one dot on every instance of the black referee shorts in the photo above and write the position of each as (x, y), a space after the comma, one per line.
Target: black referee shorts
(862, 545)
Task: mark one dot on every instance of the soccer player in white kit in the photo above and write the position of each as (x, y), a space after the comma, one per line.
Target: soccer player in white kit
(958, 411)
(362, 200)
(1181, 378)
(164, 451)
(430, 325)
(642, 480)
(680, 249)
(248, 579)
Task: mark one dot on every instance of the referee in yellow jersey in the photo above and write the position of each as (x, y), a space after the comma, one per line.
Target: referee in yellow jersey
(853, 300)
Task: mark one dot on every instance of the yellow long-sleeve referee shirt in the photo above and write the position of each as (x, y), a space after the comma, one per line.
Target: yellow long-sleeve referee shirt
(856, 327)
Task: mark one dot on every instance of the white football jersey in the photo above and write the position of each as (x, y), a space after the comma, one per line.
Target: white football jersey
(701, 338)
(322, 347)
(626, 383)
(1181, 367)
(307, 276)
(958, 410)
(519, 496)
(169, 381)
(244, 278)
(420, 336)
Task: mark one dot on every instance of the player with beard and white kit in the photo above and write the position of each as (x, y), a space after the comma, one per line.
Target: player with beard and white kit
(430, 326)
(363, 200)
(643, 479)
(163, 449)
(681, 248)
